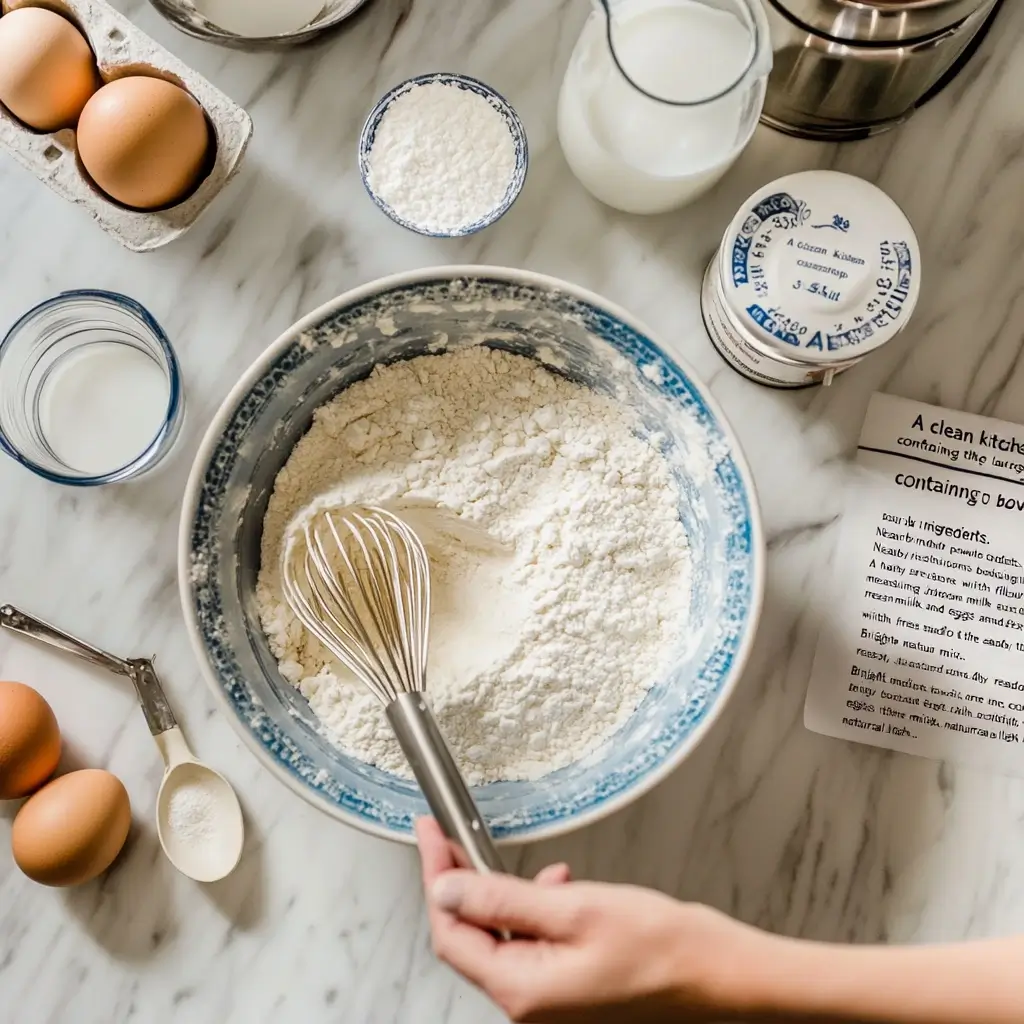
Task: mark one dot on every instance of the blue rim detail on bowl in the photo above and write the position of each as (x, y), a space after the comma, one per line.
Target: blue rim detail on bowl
(204, 614)
(172, 420)
(500, 104)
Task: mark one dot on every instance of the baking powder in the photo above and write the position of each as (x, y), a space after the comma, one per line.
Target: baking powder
(442, 157)
(190, 812)
(541, 650)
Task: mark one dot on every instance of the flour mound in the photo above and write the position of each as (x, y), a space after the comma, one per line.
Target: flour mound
(542, 646)
(442, 157)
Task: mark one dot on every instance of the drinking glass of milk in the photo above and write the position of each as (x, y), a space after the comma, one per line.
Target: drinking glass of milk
(90, 390)
(661, 96)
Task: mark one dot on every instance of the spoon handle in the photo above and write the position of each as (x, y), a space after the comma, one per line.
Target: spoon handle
(155, 706)
(36, 629)
(159, 716)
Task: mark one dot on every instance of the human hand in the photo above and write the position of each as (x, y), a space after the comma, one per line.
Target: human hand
(582, 953)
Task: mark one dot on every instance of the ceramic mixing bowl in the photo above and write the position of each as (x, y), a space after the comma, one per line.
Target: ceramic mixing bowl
(576, 334)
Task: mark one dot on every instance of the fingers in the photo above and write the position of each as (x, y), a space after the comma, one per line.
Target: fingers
(505, 903)
(436, 853)
(465, 909)
(472, 952)
(554, 874)
(468, 949)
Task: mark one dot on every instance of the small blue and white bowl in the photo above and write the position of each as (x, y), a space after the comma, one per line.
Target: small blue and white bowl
(496, 100)
(573, 332)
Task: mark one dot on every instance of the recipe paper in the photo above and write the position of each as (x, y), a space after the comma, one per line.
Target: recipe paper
(922, 639)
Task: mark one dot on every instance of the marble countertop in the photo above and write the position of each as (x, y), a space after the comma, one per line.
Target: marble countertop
(788, 830)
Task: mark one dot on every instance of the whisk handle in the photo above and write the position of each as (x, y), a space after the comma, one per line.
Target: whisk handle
(441, 781)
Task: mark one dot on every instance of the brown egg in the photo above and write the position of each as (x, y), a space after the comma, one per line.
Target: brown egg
(29, 741)
(72, 829)
(47, 71)
(143, 141)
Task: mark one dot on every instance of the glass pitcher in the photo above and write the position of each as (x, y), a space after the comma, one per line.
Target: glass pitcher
(661, 96)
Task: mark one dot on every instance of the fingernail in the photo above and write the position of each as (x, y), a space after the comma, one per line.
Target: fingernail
(448, 892)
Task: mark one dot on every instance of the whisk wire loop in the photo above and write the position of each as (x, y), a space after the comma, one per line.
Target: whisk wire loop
(381, 583)
(359, 581)
(329, 616)
(364, 574)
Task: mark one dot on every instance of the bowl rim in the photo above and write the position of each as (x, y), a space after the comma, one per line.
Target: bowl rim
(643, 785)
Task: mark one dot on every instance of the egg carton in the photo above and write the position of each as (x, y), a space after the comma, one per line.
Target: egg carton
(122, 50)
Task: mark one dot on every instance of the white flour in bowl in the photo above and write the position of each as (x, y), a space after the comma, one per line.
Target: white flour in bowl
(541, 650)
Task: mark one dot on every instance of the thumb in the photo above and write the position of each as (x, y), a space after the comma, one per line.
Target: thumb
(506, 903)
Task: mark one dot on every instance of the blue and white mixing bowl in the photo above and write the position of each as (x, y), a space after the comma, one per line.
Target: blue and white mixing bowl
(575, 333)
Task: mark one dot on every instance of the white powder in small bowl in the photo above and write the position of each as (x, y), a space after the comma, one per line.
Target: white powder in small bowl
(442, 158)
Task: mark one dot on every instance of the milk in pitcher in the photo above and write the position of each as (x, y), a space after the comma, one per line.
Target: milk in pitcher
(706, 61)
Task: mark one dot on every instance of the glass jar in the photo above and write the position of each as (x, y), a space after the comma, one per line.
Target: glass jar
(90, 390)
(661, 96)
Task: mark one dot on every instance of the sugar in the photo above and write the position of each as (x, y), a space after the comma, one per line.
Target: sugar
(442, 157)
(190, 812)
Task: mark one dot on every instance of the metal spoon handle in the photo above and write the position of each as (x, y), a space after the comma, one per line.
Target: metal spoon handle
(36, 629)
(155, 706)
(441, 781)
(140, 671)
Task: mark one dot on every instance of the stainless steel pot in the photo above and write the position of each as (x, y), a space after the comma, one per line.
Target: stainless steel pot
(851, 68)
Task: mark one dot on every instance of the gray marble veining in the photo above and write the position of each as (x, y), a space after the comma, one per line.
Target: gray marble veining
(789, 830)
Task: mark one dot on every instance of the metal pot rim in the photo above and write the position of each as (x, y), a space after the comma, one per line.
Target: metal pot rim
(880, 21)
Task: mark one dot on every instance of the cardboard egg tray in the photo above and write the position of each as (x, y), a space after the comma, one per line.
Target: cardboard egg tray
(122, 50)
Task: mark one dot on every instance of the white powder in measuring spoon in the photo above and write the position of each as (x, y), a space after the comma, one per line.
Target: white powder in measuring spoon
(190, 813)
(442, 157)
(538, 652)
(255, 18)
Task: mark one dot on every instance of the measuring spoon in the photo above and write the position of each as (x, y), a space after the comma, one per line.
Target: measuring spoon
(214, 845)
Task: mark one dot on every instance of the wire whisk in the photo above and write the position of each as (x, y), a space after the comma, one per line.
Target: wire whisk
(358, 579)
(365, 581)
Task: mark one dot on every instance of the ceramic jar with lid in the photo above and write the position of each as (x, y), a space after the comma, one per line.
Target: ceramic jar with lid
(816, 270)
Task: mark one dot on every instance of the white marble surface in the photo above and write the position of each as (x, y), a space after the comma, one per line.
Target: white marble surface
(786, 829)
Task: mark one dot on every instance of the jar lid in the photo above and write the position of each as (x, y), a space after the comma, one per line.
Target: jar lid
(820, 267)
